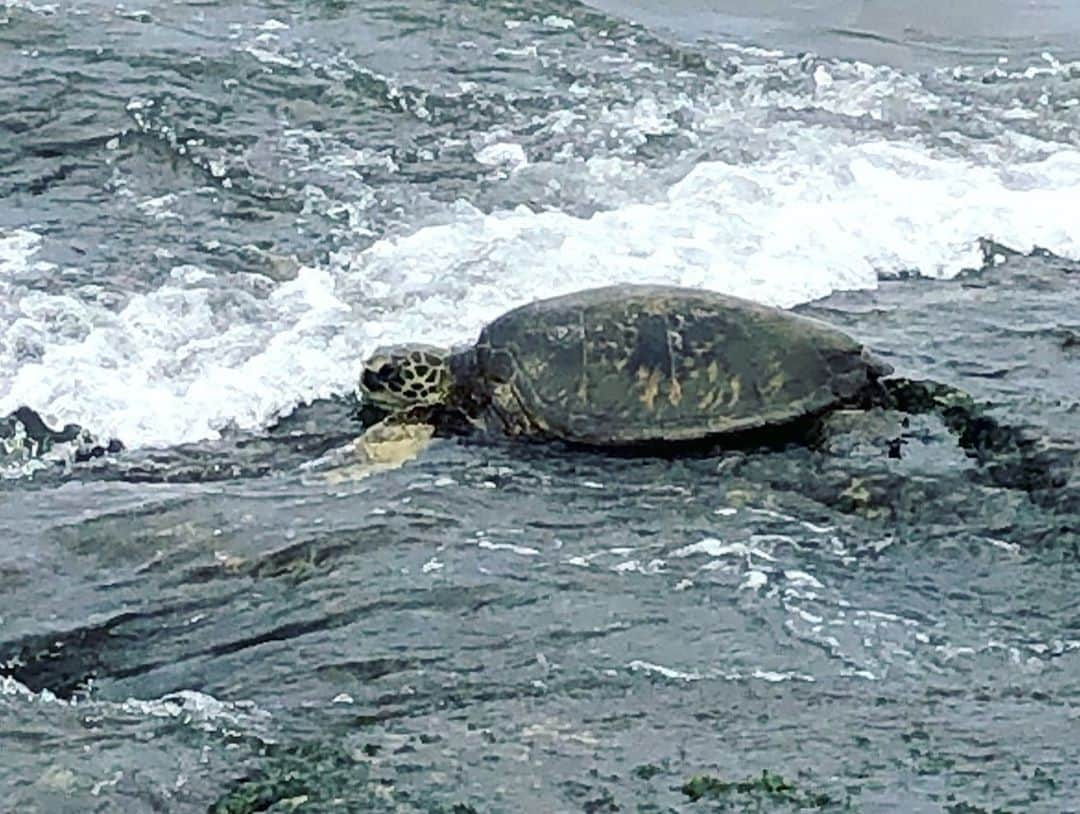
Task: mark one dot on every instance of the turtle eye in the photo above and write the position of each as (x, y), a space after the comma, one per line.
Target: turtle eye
(385, 376)
(370, 380)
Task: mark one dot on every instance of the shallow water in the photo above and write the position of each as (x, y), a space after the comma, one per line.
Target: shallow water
(211, 212)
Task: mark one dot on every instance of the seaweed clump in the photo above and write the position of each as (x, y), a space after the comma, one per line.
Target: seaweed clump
(765, 792)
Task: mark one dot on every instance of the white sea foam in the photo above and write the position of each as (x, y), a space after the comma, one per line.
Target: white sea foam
(503, 154)
(526, 551)
(667, 672)
(202, 353)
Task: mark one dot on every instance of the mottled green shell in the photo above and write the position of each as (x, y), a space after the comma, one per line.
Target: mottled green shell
(632, 364)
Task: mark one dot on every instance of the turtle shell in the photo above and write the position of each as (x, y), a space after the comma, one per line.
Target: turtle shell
(635, 364)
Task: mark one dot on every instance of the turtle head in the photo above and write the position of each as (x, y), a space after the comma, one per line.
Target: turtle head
(404, 376)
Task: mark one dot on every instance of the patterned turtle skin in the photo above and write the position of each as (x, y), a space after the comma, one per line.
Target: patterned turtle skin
(631, 364)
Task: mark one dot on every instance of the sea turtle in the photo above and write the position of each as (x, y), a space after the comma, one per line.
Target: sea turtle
(631, 366)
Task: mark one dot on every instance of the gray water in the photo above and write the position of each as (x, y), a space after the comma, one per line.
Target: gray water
(914, 33)
(209, 212)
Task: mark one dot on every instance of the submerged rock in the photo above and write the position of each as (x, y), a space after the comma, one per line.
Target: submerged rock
(28, 444)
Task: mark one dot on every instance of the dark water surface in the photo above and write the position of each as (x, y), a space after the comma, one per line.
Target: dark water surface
(209, 212)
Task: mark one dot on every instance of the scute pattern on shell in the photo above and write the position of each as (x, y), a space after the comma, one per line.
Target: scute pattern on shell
(632, 363)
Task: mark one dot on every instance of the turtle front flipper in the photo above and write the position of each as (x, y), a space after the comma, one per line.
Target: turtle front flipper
(1008, 455)
(389, 444)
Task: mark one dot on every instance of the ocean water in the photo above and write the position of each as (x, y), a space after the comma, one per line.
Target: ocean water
(210, 212)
